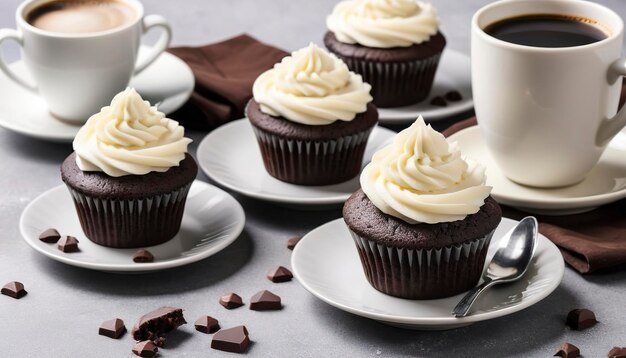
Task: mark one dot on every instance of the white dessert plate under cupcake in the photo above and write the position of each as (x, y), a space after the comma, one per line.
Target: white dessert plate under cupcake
(212, 220)
(168, 81)
(605, 183)
(327, 264)
(453, 74)
(231, 157)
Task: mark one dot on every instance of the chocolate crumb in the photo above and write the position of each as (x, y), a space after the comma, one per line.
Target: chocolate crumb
(438, 101)
(293, 241)
(231, 300)
(568, 350)
(265, 301)
(143, 256)
(207, 324)
(113, 328)
(453, 96)
(68, 244)
(14, 289)
(580, 319)
(50, 236)
(617, 352)
(145, 349)
(279, 274)
(234, 340)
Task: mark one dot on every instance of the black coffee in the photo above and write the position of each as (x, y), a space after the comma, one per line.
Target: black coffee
(544, 30)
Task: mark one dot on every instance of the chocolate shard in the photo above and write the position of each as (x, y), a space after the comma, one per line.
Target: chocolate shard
(231, 300)
(154, 325)
(453, 96)
(568, 350)
(68, 244)
(143, 256)
(265, 301)
(113, 328)
(234, 340)
(279, 274)
(293, 241)
(14, 289)
(207, 324)
(438, 101)
(580, 319)
(145, 349)
(617, 352)
(50, 236)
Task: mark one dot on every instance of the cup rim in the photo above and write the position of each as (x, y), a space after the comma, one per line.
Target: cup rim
(20, 19)
(513, 46)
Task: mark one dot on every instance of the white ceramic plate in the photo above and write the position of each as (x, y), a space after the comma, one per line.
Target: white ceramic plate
(327, 264)
(212, 220)
(231, 157)
(453, 74)
(604, 184)
(168, 80)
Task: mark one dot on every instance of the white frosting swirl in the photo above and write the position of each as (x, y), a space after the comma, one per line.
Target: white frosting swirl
(383, 23)
(421, 178)
(312, 87)
(129, 138)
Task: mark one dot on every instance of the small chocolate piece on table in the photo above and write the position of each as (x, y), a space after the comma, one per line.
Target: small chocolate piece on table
(453, 96)
(293, 241)
(234, 340)
(154, 325)
(113, 328)
(68, 244)
(231, 300)
(14, 289)
(50, 236)
(438, 101)
(265, 301)
(279, 274)
(145, 349)
(580, 319)
(142, 256)
(568, 350)
(617, 352)
(207, 324)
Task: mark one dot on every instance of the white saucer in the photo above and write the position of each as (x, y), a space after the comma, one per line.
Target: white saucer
(168, 80)
(453, 74)
(231, 157)
(604, 184)
(327, 264)
(212, 220)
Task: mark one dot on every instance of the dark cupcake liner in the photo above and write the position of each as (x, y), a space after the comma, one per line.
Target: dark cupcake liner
(424, 273)
(131, 223)
(396, 84)
(312, 162)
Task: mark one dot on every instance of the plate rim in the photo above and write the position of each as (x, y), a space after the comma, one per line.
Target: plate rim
(441, 322)
(205, 143)
(144, 267)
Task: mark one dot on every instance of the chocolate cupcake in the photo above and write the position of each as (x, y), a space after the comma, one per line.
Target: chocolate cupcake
(423, 221)
(395, 45)
(312, 118)
(130, 174)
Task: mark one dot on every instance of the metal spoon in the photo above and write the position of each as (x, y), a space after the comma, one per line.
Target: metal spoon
(508, 264)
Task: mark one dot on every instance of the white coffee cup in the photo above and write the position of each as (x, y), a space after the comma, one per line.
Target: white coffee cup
(77, 74)
(547, 114)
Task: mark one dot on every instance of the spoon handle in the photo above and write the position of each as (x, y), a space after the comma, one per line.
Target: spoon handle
(468, 300)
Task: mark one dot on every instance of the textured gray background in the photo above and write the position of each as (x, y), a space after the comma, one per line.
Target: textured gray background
(60, 316)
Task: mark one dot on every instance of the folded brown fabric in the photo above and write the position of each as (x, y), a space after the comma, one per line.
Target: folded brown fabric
(589, 242)
(224, 74)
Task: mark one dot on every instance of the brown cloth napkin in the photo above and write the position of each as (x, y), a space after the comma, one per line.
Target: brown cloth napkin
(224, 74)
(590, 241)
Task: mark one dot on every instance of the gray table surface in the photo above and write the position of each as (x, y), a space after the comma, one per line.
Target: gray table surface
(60, 315)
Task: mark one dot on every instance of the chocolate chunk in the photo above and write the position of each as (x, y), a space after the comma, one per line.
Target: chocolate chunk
(265, 301)
(145, 349)
(453, 96)
(580, 319)
(617, 352)
(154, 325)
(68, 244)
(568, 350)
(142, 256)
(279, 274)
(293, 241)
(113, 328)
(438, 101)
(234, 340)
(50, 236)
(14, 289)
(207, 324)
(231, 300)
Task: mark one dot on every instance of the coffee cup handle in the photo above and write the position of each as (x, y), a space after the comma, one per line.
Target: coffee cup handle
(149, 22)
(611, 126)
(10, 34)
